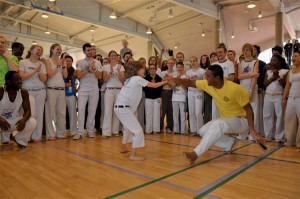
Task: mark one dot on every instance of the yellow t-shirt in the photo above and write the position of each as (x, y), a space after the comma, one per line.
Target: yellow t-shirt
(230, 99)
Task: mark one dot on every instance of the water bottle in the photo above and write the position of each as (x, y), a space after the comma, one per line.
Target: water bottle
(70, 90)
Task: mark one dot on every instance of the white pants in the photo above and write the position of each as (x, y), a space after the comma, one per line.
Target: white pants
(196, 101)
(214, 133)
(22, 137)
(178, 108)
(214, 110)
(110, 122)
(55, 113)
(92, 98)
(272, 106)
(133, 131)
(71, 105)
(40, 97)
(292, 122)
(102, 109)
(152, 107)
(254, 105)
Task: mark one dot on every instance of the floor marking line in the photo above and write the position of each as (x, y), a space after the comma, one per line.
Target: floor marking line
(171, 174)
(224, 179)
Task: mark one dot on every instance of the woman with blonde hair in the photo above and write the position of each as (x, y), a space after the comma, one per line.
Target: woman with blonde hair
(195, 97)
(56, 99)
(33, 74)
(113, 76)
(127, 103)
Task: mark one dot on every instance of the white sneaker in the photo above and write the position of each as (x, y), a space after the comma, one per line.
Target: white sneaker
(77, 137)
(91, 134)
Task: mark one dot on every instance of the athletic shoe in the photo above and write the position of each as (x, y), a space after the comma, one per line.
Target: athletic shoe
(91, 134)
(105, 136)
(77, 137)
(169, 130)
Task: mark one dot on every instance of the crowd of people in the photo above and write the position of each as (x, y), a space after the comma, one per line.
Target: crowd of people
(95, 93)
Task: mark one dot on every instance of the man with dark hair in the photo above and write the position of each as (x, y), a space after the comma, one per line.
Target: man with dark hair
(277, 50)
(12, 99)
(126, 56)
(234, 107)
(17, 50)
(288, 51)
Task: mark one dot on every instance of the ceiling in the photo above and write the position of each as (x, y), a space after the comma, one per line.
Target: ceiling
(21, 22)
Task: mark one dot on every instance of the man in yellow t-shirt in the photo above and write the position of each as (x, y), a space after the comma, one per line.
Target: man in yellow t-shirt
(236, 113)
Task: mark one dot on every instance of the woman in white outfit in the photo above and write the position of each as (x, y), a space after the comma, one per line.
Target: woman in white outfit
(274, 85)
(113, 76)
(178, 101)
(195, 97)
(56, 99)
(248, 74)
(152, 102)
(126, 105)
(33, 74)
(102, 90)
(70, 91)
(291, 99)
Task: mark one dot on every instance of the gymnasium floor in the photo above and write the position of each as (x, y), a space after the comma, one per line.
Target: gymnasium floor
(94, 168)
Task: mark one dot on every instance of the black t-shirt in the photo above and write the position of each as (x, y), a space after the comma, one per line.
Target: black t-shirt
(153, 93)
(288, 48)
(296, 47)
(260, 79)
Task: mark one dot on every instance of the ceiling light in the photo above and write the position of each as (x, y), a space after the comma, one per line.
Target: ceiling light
(47, 32)
(34, 43)
(93, 42)
(149, 31)
(45, 16)
(203, 34)
(232, 36)
(113, 15)
(9, 49)
(52, 0)
(251, 4)
(92, 28)
(170, 15)
(259, 14)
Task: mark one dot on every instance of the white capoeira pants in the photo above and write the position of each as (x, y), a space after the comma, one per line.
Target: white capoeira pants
(110, 122)
(133, 131)
(102, 109)
(292, 122)
(92, 98)
(214, 133)
(196, 102)
(21, 137)
(178, 108)
(39, 97)
(55, 113)
(152, 108)
(71, 105)
(260, 112)
(272, 107)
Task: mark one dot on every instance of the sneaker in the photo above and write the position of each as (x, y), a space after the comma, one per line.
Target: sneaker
(105, 136)
(77, 137)
(91, 134)
(251, 138)
(169, 130)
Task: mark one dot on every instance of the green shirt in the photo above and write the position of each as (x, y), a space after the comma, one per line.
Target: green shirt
(4, 67)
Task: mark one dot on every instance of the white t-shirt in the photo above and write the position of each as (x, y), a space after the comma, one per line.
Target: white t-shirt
(275, 86)
(34, 81)
(56, 80)
(114, 81)
(89, 82)
(227, 66)
(158, 72)
(179, 92)
(247, 67)
(131, 92)
(198, 74)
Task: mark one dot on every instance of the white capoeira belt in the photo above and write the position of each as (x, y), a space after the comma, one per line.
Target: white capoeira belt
(56, 88)
(113, 88)
(273, 94)
(122, 106)
(37, 89)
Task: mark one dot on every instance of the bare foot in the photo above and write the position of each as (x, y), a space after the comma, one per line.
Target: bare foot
(124, 151)
(35, 141)
(136, 158)
(155, 133)
(191, 156)
(51, 139)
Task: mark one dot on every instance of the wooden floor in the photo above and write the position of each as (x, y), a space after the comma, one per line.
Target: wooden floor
(94, 168)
